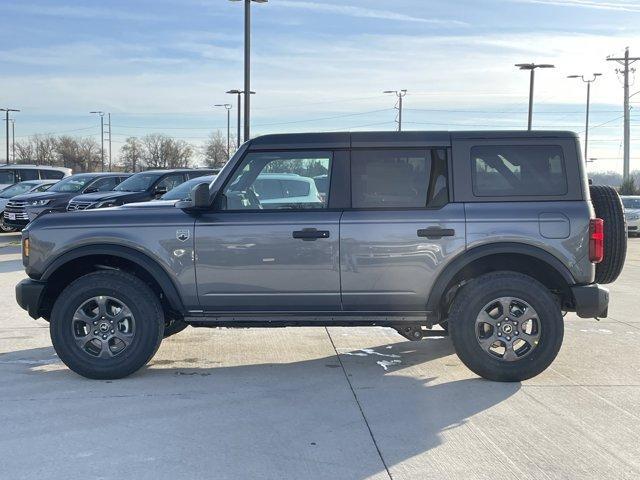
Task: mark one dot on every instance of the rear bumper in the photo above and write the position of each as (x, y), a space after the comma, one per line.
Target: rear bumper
(29, 295)
(591, 301)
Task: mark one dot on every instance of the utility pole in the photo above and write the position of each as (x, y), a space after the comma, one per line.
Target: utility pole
(247, 65)
(626, 62)
(532, 68)
(228, 108)
(109, 117)
(98, 112)
(586, 128)
(7, 111)
(239, 94)
(400, 94)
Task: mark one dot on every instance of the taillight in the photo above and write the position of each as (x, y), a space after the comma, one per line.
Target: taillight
(596, 240)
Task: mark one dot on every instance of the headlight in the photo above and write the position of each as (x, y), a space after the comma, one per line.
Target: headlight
(40, 203)
(106, 204)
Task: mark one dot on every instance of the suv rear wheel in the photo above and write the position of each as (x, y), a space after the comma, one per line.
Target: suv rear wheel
(506, 326)
(106, 325)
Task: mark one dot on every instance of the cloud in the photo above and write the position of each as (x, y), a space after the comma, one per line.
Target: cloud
(69, 11)
(620, 5)
(361, 12)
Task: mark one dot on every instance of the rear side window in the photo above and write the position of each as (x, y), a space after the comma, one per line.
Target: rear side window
(398, 178)
(27, 174)
(51, 174)
(7, 177)
(518, 170)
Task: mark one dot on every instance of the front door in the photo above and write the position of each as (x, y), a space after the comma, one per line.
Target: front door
(271, 244)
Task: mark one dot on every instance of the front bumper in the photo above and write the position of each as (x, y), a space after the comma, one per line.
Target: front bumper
(633, 226)
(29, 295)
(591, 301)
(15, 223)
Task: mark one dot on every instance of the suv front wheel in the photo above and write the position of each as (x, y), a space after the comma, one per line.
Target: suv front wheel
(506, 326)
(106, 325)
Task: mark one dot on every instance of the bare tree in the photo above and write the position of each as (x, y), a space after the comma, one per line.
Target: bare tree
(90, 152)
(161, 151)
(131, 154)
(215, 150)
(38, 149)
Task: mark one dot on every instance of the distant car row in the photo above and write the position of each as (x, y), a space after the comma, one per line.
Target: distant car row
(11, 174)
(631, 205)
(24, 202)
(84, 191)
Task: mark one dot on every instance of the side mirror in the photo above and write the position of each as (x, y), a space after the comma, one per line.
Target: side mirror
(160, 190)
(91, 190)
(200, 198)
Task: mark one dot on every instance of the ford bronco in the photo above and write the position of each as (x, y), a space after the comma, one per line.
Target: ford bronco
(490, 235)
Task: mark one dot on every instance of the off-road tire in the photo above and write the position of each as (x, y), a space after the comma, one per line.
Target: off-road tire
(608, 206)
(475, 295)
(139, 298)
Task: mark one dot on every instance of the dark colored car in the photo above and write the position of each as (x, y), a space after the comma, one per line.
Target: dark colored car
(141, 187)
(22, 209)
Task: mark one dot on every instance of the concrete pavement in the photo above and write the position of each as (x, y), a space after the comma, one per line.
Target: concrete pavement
(316, 403)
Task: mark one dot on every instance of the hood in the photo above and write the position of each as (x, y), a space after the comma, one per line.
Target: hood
(101, 196)
(30, 197)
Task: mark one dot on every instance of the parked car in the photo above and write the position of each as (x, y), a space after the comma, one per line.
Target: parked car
(140, 187)
(10, 174)
(632, 213)
(282, 190)
(20, 189)
(22, 209)
(183, 191)
(492, 235)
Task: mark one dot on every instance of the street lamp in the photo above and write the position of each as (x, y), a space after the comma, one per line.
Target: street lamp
(101, 113)
(247, 64)
(7, 110)
(239, 93)
(227, 107)
(399, 94)
(532, 67)
(586, 129)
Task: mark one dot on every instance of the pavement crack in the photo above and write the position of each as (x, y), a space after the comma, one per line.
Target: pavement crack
(355, 397)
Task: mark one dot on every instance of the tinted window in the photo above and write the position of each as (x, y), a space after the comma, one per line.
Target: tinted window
(398, 178)
(276, 181)
(170, 182)
(16, 189)
(521, 170)
(28, 174)
(104, 184)
(43, 188)
(51, 174)
(138, 182)
(6, 177)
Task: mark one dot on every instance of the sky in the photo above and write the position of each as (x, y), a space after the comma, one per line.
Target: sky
(159, 66)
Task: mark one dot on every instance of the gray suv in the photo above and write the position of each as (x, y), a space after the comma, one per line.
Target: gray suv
(490, 235)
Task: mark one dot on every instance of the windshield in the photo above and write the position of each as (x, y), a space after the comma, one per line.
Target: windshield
(631, 203)
(138, 182)
(16, 189)
(183, 191)
(72, 184)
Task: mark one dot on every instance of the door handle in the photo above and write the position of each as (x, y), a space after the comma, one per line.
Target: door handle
(310, 234)
(436, 232)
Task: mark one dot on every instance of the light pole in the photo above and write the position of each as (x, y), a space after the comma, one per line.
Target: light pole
(228, 108)
(7, 110)
(247, 64)
(532, 68)
(98, 112)
(586, 129)
(399, 94)
(239, 93)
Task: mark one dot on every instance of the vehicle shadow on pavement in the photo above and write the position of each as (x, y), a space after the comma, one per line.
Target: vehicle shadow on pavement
(7, 266)
(301, 419)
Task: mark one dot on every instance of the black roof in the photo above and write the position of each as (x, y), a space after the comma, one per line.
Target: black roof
(391, 139)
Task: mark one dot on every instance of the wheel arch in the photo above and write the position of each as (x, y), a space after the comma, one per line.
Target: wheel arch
(72, 264)
(523, 258)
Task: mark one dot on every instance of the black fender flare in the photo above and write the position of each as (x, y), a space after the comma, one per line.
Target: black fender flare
(141, 259)
(476, 253)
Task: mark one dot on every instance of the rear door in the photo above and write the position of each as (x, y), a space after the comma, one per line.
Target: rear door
(401, 229)
(271, 256)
